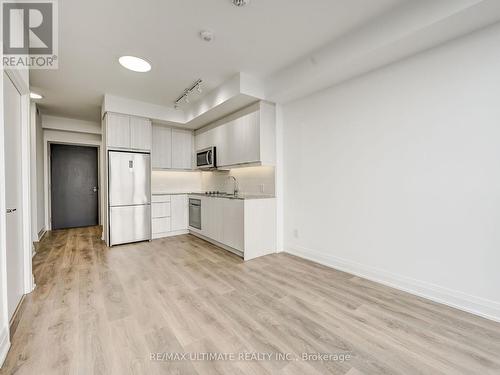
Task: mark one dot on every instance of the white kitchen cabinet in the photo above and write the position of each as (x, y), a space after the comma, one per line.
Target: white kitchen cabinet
(250, 151)
(202, 141)
(140, 133)
(159, 198)
(127, 132)
(245, 137)
(233, 233)
(232, 141)
(169, 215)
(219, 137)
(207, 226)
(161, 209)
(160, 226)
(245, 227)
(182, 149)
(117, 130)
(243, 140)
(161, 153)
(211, 218)
(179, 212)
(172, 148)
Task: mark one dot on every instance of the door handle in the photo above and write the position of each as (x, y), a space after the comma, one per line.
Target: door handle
(94, 189)
(10, 210)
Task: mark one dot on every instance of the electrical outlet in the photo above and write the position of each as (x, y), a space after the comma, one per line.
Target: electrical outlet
(261, 186)
(296, 233)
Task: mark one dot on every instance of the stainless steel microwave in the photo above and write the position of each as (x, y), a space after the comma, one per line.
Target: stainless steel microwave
(206, 158)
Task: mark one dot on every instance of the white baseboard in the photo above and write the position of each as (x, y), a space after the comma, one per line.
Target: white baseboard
(169, 234)
(4, 344)
(475, 305)
(217, 243)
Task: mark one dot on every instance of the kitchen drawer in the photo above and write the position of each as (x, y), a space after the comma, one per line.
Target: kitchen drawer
(161, 225)
(160, 198)
(161, 209)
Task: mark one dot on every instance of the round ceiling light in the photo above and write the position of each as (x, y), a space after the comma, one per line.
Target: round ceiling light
(34, 95)
(135, 64)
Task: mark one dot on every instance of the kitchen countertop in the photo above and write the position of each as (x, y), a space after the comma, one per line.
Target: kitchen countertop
(176, 193)
(240, 196)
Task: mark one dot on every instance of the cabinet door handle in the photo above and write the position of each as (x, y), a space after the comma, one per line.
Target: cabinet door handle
(10, 210)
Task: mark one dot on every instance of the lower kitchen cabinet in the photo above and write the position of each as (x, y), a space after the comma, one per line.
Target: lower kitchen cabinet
(169, 215)
(161, 209)
(211, 218)
(179, 212)
(161, 225)
(244, 227)
(233, 228)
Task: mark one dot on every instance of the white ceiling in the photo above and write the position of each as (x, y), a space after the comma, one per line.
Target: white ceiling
(259, 39)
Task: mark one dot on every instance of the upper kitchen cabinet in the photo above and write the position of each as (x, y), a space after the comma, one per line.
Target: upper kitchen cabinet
(182, 149)
(140, 133)
(245, 137)
(172, 148)
(161, 154)
(117, 130)
(127, 132)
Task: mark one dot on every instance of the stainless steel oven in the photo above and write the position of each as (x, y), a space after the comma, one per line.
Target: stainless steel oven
(206, 158)
(195, 213)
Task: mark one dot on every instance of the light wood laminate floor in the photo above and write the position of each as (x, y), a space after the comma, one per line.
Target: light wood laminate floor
(99, 310)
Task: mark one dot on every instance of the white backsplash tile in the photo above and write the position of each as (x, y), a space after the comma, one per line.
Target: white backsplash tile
(175, 182)
(250, 180)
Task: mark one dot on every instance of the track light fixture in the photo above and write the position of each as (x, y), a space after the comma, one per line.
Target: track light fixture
(185, 96)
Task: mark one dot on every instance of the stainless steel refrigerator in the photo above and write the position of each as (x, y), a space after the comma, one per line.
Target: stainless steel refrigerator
(129, 185)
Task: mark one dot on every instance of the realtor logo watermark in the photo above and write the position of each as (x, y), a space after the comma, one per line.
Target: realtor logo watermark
(30, 34)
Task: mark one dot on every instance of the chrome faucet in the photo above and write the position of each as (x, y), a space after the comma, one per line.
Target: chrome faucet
(236, 187)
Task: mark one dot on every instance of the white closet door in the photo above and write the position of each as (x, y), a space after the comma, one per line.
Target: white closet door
(13, 199)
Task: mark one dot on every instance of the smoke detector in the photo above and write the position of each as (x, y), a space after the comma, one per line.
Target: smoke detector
(207, 35)
(240, 3)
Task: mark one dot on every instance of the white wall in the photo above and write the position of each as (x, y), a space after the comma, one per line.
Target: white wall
(396, 175)
(36, 166)
(40, 178)
(70, 125)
